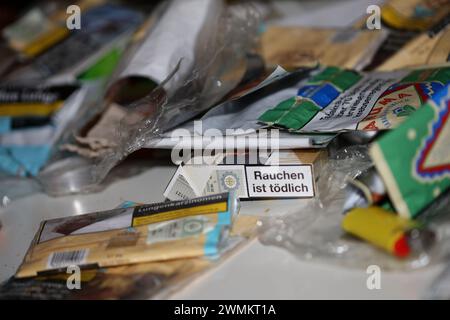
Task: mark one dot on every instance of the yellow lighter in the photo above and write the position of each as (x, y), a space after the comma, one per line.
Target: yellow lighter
(386, 230)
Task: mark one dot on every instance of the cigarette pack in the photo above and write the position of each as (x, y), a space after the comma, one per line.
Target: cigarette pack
(284, 174)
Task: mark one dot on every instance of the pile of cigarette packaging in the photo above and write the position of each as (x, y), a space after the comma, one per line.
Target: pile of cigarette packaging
(247, 109)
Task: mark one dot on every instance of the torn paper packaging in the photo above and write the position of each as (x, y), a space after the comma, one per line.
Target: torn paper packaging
(236, 117)
(336, 100)
(330, 100)
(174, 38)
(223, 127)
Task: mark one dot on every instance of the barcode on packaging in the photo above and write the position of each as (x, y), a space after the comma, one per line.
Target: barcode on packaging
(67, 258)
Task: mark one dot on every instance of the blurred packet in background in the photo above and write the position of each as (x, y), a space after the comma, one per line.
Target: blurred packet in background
(42, 27)
(105, 65)
(31, 130)
(26, 140)
(428, 48)
(404, 21)
(154, 232)
(22, 107)
(103, 26)
(414, 159)
(335, 100)
(295, 47)
(414, 14)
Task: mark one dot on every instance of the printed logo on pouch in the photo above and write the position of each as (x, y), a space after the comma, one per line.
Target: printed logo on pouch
(373, 22)
(74, 280)
(374, 279)
(73, 21)
(203, 146)
(230, 181)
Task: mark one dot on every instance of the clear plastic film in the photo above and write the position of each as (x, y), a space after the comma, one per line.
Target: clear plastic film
(315, 232)
(219, 65)
(75, 114)
(65, 173)
(440, 287)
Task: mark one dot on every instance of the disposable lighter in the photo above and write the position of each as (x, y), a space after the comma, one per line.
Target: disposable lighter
(386, 230)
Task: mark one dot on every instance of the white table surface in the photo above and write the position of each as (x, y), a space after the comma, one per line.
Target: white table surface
(254, 272)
